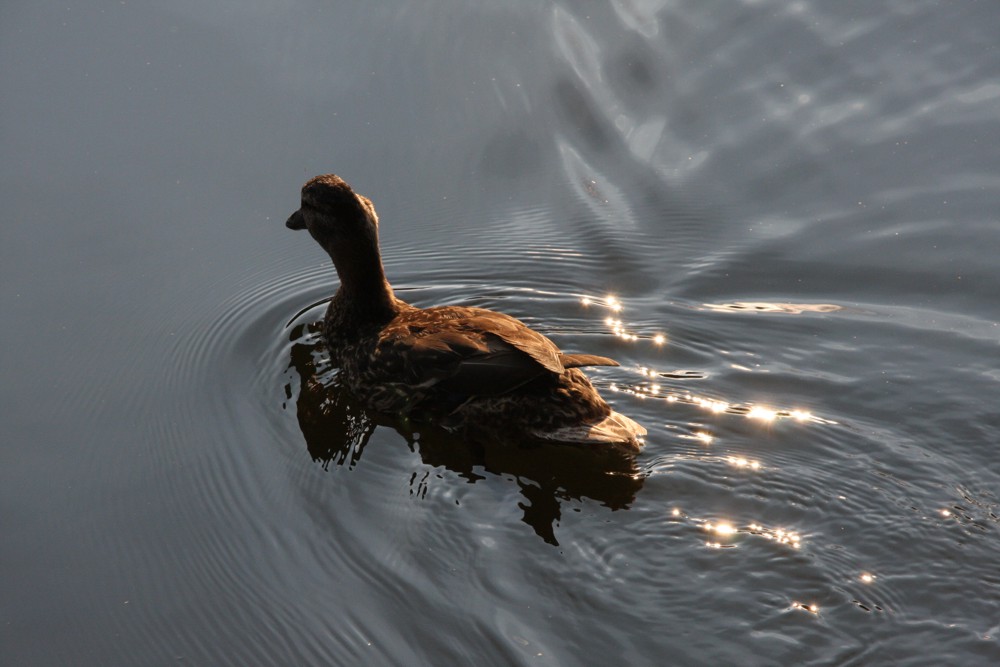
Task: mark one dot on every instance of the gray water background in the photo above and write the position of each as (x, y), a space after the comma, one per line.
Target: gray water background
(800, 197)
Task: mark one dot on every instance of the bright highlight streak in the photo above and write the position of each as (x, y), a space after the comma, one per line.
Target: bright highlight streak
(741, 462)
(811, 608)
(714, 406)
(706, 438)
(762, 413)
(725, 529)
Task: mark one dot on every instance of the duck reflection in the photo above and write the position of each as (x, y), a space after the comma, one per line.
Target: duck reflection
(337, 427)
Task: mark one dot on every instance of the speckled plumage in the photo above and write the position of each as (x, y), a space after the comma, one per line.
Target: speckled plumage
(464, 368)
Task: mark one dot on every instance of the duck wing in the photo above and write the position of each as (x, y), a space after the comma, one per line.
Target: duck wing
(517, 335)
(467, 351)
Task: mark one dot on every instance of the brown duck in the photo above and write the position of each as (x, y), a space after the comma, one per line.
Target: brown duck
(467, 369)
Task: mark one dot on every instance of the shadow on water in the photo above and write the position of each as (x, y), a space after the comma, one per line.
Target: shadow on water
(337, 427)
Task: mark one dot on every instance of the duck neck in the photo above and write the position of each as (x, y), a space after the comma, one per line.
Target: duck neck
(365, 298)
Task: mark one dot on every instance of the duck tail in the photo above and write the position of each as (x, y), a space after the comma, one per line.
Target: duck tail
(578, 360)
(615, 429)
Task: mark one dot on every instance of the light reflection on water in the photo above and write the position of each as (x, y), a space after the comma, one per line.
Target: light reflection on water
(780, 219)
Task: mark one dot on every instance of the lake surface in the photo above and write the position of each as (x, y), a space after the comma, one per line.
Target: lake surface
(781, 218)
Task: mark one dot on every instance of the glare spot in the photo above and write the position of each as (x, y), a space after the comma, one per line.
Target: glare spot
(811, 608)
(706, 438)
(780, 536)
(714, 406)
(727, 530)
(585, 300)
(801, 415)
(655, 388)
(762, 413)
(724, 528)
(676, 512)
(945, 512)
(659, 339)
(742, 462)
(867, 577)
(610, 321)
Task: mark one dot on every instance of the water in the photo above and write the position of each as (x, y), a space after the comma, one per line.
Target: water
(800, 198)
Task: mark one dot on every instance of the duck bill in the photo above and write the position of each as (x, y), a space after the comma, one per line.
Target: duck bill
(296, 221)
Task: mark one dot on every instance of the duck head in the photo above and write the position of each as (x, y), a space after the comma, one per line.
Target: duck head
(345, 224)
(335, 215)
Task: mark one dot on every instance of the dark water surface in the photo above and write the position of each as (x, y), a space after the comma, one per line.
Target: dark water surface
(801, 198)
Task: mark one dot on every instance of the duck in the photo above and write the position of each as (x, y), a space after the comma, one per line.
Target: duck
(467, 369)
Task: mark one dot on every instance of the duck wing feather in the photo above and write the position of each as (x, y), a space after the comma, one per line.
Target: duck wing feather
(468, 351)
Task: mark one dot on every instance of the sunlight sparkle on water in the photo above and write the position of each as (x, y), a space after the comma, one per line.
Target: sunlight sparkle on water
(742, 462)
(867, 577)
(730, 534)
(781, 536)
(724, 528)
(762, 413)
(714, 406)
(757, 412)
(613, 304)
